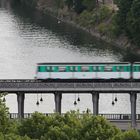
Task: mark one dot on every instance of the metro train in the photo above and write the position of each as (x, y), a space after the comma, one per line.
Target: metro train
(124, 70)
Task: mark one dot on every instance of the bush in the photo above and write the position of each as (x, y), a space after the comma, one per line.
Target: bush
(85, 19)
(127, 135)
(36, 126)
(12, 136)
(71, 126)
(102, 28)
(104, 13)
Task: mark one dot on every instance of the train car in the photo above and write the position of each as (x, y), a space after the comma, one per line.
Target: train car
(136, 70)
(83, 70)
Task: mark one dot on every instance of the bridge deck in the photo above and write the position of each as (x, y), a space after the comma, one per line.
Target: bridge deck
(68, 86)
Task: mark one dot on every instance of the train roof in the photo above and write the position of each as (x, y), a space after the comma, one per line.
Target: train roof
(85, 63)
(136, 62)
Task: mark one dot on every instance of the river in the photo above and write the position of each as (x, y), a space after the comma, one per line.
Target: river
(28, 37)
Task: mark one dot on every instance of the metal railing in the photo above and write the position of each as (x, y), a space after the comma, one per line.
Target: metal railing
(107, 116)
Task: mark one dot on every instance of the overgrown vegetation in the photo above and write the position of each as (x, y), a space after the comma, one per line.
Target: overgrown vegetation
(128, 19)
(71, 126)
(97, 16)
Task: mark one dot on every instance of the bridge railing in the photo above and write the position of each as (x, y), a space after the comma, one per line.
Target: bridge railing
(107, 116)
(119, 116)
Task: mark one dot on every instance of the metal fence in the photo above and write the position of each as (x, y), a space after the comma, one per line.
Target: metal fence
(107, 116)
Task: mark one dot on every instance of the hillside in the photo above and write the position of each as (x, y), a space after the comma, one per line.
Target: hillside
(103, 19)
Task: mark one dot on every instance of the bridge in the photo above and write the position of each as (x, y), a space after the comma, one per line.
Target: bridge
(59, 87)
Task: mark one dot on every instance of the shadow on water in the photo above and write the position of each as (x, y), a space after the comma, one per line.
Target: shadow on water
(82, 40)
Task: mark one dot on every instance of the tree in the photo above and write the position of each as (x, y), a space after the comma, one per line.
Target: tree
(127, 135)
(78, 6)
(36, 126)
(121, 19)
(89, 4)
(4, 116)
(69, 3)
(133, 22)
(97, 128)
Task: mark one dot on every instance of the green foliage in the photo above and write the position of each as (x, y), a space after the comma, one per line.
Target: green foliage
(71, 126)
(36, 126)
(110, 29)
(128, 19)
(90, 19)
(89, 4)
(127, 135)
(124, 8)
(4, 116)
(104, 13)
(87, 19)
(131, 135)
(102, 28)
(97, 128)
(12, 136)
(78, 6)
(133, 22)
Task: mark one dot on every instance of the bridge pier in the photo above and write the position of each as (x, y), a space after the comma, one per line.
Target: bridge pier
(57, 98)
(20, 100)
(95, 100)
(133, 97)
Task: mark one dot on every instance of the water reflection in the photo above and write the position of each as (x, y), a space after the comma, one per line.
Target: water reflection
(69, 37)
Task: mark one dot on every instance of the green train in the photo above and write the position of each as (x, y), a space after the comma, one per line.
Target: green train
(124, 70)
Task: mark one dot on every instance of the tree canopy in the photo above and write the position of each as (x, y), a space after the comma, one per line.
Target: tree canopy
(128, 19)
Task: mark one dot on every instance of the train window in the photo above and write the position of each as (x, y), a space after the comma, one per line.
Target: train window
(114, 68)
(42, 68)
(108, 68)
(102, 68)
(85, 69)
(38, 69)
(68, 69)
(62, 69)
(99, 68)
(49, 68)
(91, 68)
(136, 68)
(126, 68)
(71, 68)
(94, 68)
(121, 68)
(55, 69)
(79, 68)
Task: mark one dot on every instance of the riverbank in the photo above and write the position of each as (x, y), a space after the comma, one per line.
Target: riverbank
(70, 17)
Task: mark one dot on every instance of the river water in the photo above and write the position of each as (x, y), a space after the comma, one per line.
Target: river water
(28, 37)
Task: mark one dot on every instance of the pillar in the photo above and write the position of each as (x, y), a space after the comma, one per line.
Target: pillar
(57, 98)
(20, 100)
(95, 100)
(133, 97)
